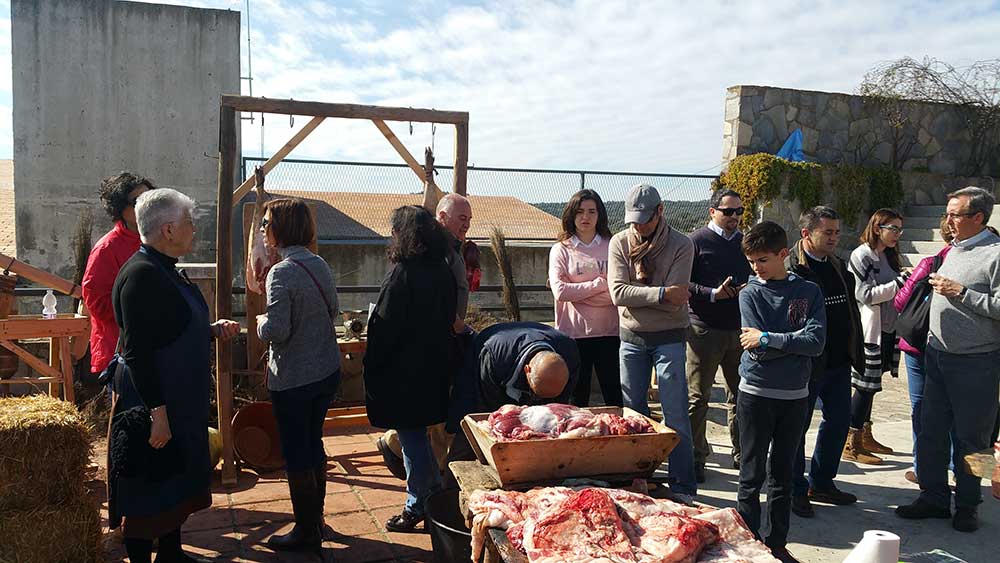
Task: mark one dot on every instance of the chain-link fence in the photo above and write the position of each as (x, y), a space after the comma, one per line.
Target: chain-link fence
(685, 195)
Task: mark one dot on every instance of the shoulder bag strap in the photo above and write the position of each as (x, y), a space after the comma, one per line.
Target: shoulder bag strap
(316, 283)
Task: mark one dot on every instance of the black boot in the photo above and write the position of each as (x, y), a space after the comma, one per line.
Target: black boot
(139, 550)
(320, 474)
(169, 549)
(305, 534)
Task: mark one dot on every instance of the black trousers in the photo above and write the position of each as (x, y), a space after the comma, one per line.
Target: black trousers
(776, 424)
(300, 413)
(601, 354)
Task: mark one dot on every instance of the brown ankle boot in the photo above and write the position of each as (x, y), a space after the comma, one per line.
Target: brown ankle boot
(869, 443)
(854, 451)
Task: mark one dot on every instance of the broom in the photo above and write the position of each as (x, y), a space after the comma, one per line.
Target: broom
(509, 293)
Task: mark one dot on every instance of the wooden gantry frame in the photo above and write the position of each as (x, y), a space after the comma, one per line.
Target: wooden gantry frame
(229, 198)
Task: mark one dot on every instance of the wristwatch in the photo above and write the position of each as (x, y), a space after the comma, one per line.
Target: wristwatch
(764, 340)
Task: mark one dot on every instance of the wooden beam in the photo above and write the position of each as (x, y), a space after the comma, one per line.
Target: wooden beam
(66, 367)
(224, 287)
(400, 149)
(34, 362)
(300, 136)
(54, 364)
(347, 111)
(28, 326)
(461, 158)
(39, 276)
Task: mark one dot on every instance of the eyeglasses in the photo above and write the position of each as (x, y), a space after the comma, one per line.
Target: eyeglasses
(893, 228)
(264, 223)
(957, 215)
(730, 211)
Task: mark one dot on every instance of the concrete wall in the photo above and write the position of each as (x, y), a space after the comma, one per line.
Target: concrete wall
(355, 264)
(838, 127)
(101, 87)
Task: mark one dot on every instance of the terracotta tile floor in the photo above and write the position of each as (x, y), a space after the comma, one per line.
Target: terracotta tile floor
(361, 495)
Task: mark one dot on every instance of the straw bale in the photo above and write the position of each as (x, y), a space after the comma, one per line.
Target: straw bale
(46, 449)
(67, 533)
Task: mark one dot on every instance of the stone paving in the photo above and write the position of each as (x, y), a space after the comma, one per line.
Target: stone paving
(361, 495)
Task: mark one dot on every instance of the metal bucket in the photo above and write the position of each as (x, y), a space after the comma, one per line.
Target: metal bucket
(450, 539)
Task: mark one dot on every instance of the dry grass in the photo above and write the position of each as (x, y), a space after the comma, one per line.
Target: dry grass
(46, 449)
(65, 533)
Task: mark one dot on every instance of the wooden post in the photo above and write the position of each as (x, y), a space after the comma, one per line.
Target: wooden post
(54, 364)
(66, 363)
(224, 288)
(461, 157)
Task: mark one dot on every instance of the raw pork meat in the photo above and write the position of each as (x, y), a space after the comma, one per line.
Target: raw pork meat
(588, 525)
(260, 258)
(512, 422)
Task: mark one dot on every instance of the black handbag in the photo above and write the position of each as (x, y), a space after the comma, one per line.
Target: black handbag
(913, 322)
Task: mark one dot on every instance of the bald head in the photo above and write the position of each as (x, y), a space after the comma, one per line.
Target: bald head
(454, 212)
(547, 374)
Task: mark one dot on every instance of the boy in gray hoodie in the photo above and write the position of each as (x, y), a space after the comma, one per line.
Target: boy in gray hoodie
(783, 329)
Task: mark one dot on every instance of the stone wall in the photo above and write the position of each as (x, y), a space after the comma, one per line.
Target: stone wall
(842, 128)
(103, 86)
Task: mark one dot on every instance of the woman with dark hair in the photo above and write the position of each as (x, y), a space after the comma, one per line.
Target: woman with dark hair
(118, 194)
(407, 360)
(303, 371)
(876, 268)
(578, 277)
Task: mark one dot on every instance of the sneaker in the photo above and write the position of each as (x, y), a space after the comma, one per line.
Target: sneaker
(782, 554)
(920, 509)
(801, 507)
(392, 461)
(699, 472)
(965, 519)
(833, 495)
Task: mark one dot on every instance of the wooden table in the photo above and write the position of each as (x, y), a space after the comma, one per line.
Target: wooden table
(59, 369)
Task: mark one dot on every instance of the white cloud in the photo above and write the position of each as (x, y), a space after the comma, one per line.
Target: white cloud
(586, 84)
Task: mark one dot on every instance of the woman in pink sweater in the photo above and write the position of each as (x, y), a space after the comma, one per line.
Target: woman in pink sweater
(578, 276)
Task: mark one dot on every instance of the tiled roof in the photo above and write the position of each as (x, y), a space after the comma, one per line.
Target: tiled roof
(350, 215)
(7, 240)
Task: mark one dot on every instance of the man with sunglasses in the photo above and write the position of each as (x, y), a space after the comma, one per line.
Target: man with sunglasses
(718, 274)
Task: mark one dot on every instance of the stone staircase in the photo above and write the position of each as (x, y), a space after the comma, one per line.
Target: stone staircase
(921, 233)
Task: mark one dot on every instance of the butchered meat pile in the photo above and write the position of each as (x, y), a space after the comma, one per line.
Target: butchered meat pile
(541, 422)
(566, 525)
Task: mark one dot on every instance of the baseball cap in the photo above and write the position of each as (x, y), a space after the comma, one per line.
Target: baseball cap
(640, 203)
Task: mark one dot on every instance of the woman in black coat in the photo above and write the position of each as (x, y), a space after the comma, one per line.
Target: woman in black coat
(406, 363)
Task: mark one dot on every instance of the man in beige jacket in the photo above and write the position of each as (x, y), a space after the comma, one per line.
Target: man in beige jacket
(649, 268)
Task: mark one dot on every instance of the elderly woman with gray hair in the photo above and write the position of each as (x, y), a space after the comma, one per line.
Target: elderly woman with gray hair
(165, 341)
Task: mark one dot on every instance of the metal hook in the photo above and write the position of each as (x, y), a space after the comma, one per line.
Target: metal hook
(433, 131)
(411, 128)
(291, 120)
(6, 271)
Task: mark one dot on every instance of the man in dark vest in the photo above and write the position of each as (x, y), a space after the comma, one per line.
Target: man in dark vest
(524, 363)
(813, 258)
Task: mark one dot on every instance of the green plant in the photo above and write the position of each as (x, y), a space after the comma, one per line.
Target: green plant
(886, 187)
(850, 185)
(758, 178)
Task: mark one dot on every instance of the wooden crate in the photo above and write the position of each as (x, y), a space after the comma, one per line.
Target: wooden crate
(532, 461)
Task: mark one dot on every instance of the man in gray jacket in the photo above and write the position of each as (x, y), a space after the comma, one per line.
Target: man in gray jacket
(962, 363)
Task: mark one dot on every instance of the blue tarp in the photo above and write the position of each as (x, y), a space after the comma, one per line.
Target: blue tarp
(792, 149)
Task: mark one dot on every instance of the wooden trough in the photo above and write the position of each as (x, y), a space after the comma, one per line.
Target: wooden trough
(530, 462)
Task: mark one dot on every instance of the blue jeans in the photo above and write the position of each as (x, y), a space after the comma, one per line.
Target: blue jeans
(423, 476)
(637, 363)
(834, 394)
(915, 376)
(959, 411)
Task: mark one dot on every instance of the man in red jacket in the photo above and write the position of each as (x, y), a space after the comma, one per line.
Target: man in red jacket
(118, 195)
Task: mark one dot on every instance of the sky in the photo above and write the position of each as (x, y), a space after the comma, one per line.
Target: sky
(604, 84)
